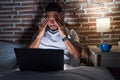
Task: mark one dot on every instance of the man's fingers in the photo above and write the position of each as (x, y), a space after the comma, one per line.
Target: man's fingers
(44, 26)
(44, 23)
(46, 19)
(61, 22)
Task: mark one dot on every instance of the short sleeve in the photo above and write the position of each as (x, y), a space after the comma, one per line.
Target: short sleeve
(72, 34)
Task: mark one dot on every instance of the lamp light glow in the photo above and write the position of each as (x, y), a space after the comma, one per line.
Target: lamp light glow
(103, 25)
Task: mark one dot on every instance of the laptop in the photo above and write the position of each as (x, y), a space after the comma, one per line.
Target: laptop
(41, 60)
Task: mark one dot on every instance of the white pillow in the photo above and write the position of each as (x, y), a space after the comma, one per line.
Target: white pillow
(74, 35)
(75, 38)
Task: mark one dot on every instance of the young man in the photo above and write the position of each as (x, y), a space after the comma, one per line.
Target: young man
(52, 33)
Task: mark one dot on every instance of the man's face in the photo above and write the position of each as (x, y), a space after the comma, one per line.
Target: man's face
(52, 19)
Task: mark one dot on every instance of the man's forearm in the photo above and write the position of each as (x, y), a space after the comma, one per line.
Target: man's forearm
(73, 50)
(35, 43)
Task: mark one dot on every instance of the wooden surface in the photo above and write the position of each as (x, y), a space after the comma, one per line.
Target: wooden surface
(105, 59)
(114, 48)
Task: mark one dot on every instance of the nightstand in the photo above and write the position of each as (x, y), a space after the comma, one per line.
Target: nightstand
(104, 59)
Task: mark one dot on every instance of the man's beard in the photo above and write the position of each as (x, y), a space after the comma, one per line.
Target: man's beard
(51, 31)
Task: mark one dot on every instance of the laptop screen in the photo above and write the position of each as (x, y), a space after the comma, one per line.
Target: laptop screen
(30, 59)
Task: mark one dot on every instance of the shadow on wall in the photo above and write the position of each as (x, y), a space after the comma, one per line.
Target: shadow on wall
(29, 32)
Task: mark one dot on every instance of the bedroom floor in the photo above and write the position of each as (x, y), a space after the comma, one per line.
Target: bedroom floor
(115, 72)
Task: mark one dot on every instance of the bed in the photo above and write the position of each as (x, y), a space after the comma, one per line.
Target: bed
(78, 73)
(8, 69)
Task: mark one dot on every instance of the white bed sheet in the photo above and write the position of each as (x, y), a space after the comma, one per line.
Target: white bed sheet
(79, 73)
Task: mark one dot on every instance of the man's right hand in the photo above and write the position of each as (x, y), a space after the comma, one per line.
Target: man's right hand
(42, 27)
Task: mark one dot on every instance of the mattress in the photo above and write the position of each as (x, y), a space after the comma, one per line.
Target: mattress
(78, 73)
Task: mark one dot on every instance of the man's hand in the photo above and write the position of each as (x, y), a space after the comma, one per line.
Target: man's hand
(72, 49)
(61, 27)
(42, 27)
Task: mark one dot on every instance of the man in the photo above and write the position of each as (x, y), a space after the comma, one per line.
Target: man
(52, 33)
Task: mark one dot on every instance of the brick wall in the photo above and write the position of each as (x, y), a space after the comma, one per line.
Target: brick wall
(18, 18)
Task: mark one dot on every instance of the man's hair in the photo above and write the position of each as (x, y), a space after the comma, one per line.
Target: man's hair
(53, 7)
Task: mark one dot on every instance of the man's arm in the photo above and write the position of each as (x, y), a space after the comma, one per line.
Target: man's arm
(35, 43)
(72, 49)
(41, 30)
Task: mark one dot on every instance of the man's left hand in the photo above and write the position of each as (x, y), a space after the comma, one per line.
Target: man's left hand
(61, 27)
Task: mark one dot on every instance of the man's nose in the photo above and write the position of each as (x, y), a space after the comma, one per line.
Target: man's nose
(51, 21)
(51, 18)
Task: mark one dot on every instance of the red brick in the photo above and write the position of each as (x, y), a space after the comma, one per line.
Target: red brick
(24, 16)
(26, 41)
(113, 5)
(6, 9)
(74, 11)
(92, 41)
(93, 37)
(9, 37)
(98, 1)
(77, 20)
(23, 25)
(111, 41)
(5, 33)
(93, 6)
(72, 7)
(6, 25)
(112, 32)
(8, 13)
(92, 20)
(74, 25)
(26, 33)
(9, 21)
(7, 40)
(5, 0)
(22, 0)
(70, 16)
(30, 29)
(113, 14)
(26, 36)
(24, 8)
(39, 16)
(8, 5)
(30, 4)
(91, 15)
(25, 21)
(89, 24)
(6, 17)
(115, 23)
(115, 36)
(117, 26)
(98, 10)
(115, 9)
(116, 19)
(76, 2)
(12, 29)
(29, 12)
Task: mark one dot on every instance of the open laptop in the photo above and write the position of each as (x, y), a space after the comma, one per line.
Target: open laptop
(39, 59)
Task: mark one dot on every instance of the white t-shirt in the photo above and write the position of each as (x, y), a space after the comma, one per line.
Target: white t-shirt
(53, 41)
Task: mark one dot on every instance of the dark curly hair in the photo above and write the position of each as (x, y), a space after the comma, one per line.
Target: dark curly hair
(53, 7)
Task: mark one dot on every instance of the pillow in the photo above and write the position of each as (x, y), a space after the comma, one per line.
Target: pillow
(7, 55)
(74, 36)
